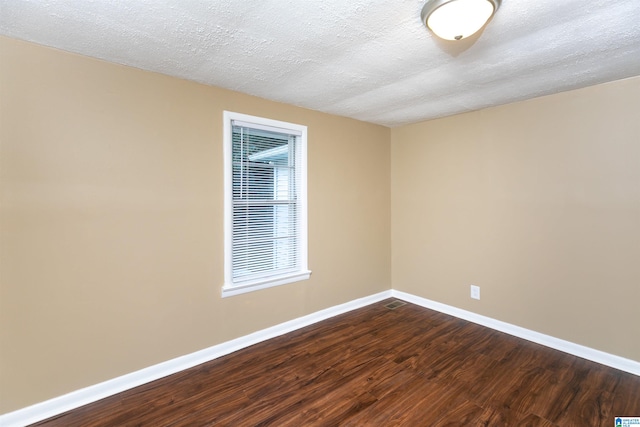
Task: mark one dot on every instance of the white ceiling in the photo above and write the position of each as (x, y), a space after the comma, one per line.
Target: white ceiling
(372, 60)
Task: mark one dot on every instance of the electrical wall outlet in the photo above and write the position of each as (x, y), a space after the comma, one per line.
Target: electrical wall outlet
(475, 292)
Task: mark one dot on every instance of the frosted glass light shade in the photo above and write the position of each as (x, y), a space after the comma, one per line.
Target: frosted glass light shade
(457, 19)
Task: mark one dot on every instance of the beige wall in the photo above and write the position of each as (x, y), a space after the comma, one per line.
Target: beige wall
(111, 231)
(111, 247)
(536, 202)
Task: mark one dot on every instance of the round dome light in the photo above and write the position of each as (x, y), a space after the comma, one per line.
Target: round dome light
(457, 19)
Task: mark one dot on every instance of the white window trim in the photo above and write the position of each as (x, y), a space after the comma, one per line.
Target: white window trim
(229, 288)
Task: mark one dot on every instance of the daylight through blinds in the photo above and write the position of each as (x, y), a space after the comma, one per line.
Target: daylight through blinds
(265, 202)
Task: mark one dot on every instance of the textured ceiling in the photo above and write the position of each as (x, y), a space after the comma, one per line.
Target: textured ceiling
(372, 60)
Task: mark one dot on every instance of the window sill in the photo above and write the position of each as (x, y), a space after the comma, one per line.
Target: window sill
(229, 290)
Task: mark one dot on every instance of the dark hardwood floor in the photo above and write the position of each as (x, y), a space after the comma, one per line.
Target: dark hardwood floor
(379, 367)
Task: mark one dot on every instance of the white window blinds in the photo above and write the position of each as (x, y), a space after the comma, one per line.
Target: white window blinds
(268, 204)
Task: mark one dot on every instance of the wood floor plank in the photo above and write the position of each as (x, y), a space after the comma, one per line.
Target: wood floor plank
(378, 367)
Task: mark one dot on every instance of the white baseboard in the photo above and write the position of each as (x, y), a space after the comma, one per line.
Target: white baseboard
(617, 362)
(75, 399)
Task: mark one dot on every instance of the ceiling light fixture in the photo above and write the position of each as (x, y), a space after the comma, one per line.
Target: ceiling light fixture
(457, 19)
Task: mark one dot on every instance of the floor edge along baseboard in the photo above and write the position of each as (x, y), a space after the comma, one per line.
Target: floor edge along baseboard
(75, 399)
(607, 359)
(58, 405)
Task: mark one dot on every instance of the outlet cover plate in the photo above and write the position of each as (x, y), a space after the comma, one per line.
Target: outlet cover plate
(475, 292)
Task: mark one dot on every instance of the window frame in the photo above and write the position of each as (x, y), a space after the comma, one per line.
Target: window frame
(230, 287)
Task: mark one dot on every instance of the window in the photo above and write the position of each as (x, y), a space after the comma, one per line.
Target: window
(265, 203)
